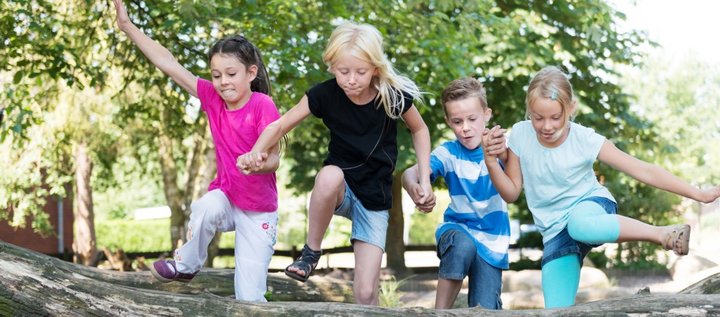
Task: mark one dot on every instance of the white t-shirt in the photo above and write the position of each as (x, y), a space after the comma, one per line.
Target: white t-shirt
(556, 179)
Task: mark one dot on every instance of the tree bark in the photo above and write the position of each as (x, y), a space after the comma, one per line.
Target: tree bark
(708, 285)
(395, 243)
(84, 246)
(173, 192)
(33, 284)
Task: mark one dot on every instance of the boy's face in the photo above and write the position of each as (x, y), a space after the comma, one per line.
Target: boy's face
(467, 118)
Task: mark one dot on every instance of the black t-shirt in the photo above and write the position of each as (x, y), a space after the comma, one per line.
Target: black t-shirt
(362, 142)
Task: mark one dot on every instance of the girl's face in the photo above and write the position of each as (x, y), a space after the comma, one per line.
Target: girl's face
(467, 118)
(355, 76)
(549, 122)
(232, 79)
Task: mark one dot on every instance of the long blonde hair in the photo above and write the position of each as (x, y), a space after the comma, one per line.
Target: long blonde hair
(551, 82)
(365, 42)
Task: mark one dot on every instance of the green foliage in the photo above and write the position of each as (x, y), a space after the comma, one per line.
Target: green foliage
(423, 225)
(598, 259)
(638, 258)
(502, 42)
(532, 240)
(525, 264)
(132, 190)
(134, 236)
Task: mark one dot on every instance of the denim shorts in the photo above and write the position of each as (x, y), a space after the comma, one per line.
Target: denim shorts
(562, 244)
(459, 258)
(368, 226)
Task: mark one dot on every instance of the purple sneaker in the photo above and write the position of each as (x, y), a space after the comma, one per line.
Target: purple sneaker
(165, 271)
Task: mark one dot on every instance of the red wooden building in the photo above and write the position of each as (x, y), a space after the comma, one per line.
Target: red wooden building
(59, 243)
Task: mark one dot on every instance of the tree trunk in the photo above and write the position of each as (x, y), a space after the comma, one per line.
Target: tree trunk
(180, 196)
(84, 246)
(395, 243)
(173, 193)
(709, 285)
(33, 284)
(204, 173)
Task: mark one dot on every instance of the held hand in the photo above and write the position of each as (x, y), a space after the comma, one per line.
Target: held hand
(493, 141)
(418, 196)
(426, 198)
(251, 162)
(429, 199)
(496, 143)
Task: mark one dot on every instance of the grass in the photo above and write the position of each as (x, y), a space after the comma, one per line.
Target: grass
(389, 292)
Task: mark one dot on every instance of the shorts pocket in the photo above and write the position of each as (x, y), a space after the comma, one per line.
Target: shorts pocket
(446, 241)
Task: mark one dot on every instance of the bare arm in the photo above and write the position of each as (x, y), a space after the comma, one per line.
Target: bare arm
(270, 163)
(274, 131)
(653, 175)
(156, 53)
(508, 182)
(254, 161)
(421, 143)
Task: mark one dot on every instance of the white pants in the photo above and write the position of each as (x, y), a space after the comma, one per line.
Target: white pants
(254, 240)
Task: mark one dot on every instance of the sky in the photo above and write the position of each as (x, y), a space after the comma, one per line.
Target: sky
(681, 27)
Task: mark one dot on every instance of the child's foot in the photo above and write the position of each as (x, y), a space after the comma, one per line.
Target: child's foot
(305, 263)
(678, 239)
(166, 271)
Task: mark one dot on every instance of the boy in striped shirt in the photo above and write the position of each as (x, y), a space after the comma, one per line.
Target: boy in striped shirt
(474, 236)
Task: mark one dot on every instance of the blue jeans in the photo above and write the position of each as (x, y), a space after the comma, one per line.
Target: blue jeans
(459, 258)
(367, 226)
(562, 244)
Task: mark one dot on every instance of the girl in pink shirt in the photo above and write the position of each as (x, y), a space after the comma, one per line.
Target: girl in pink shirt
(238, 109)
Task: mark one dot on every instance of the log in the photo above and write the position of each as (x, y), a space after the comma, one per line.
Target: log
(214, 281)
(708, 285)
(32, 284)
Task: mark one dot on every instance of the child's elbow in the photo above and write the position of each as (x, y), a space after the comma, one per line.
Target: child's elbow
(509, 197)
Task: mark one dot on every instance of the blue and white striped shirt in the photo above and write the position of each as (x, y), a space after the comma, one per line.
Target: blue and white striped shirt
(475, 205)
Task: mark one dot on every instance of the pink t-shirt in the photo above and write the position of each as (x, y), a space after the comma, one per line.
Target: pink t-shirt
(235, 133)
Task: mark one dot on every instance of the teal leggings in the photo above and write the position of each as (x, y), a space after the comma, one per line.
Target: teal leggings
(590, 224)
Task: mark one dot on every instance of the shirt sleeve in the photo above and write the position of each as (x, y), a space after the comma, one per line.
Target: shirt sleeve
(594, 142)
(206, 92)
(407, 102)
(313, 94)
(437, 168)
(515, 140)
(267, 113)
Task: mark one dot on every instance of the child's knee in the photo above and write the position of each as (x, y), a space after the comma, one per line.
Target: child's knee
(589, 221)
(459, 246)
(577, 225)
(365, 295)
(329, 179)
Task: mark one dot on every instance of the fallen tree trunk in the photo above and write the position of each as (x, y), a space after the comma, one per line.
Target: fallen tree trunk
(33, 284)
(215, 281)
(708, 285)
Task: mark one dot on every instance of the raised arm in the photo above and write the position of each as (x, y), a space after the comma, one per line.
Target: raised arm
(508, 182)
(156, 53)
(421, 144)
(653, 175)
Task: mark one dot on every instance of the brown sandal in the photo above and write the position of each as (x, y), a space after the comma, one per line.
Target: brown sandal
(678, 240)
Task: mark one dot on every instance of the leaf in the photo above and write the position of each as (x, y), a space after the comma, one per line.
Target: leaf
(17, 77)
